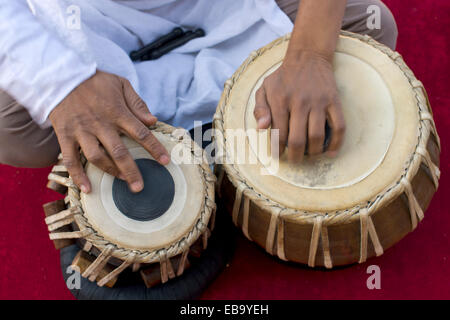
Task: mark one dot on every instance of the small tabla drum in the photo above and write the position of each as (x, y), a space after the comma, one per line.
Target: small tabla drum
(333, 211)
(160, 232)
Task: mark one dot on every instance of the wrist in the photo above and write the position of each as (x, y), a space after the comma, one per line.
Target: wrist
(307, 54)
(304, 41)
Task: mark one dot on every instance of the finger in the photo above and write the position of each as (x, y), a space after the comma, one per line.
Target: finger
(316, 131)
(297, 134)
(71, 160)
(136, 105)
(280, 122)
(96, 155)
(262, 109)
(337, 123)
(141, 134)
(122, 159)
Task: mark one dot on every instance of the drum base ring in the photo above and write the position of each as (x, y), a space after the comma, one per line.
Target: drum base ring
(190, 285)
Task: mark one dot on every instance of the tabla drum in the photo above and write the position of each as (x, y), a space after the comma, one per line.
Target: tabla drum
(331, 212)
(158, 235)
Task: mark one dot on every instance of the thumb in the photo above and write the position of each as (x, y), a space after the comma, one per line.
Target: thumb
(262, 109)
(136, 105)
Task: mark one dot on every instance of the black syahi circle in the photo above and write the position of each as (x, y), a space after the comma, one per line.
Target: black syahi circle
(154, 200)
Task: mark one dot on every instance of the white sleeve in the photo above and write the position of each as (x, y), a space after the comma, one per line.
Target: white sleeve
(36, 68)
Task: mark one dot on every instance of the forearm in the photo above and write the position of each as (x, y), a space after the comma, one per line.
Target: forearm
(316, 28)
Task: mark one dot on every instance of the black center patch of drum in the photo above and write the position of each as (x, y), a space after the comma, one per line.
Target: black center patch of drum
(154, 200)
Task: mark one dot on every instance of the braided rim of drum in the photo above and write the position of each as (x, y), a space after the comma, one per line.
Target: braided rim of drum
(74, 212)
(361, 212)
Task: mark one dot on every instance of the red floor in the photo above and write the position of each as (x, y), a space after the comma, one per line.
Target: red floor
(418, 267)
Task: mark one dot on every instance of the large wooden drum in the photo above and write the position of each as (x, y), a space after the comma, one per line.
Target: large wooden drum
(156, 232)
(331, 212)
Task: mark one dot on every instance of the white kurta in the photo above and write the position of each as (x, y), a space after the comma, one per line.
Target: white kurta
(44, 56)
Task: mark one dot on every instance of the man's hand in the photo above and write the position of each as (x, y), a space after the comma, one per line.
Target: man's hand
(301, 95)
(92, 116)
(297, 99)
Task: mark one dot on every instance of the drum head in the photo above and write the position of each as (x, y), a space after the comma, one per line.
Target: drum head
(382, 129)
(160, 215)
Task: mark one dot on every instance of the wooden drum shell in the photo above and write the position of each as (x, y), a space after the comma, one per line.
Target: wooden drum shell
(392, 222)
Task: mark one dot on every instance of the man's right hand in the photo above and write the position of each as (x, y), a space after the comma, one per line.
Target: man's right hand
(92, 117)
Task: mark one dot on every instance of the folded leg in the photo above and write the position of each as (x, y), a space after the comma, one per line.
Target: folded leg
(23, 143)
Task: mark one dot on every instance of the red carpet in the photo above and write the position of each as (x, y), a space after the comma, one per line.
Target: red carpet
(416, 268)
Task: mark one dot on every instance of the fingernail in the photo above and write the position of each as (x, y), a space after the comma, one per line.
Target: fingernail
(152, 119)
(332, 154)
(164, 159)
(136, 187)
(84, 189)
(262, 122)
